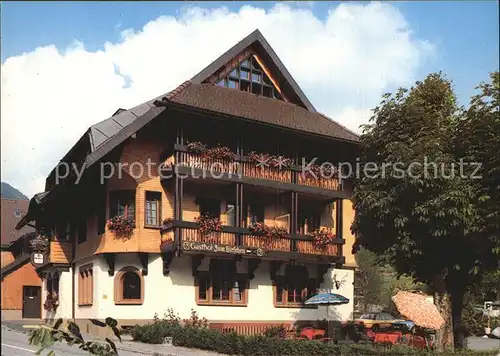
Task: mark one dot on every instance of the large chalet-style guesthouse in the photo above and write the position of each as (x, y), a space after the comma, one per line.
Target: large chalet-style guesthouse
(224, 222)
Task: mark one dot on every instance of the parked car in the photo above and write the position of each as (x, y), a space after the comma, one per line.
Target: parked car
(406, 325)
(377, 321)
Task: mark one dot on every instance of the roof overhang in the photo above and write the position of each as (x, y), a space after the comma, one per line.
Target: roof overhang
(14, 265)
(202, 111)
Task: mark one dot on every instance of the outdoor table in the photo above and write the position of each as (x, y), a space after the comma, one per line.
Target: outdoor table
(388, 337)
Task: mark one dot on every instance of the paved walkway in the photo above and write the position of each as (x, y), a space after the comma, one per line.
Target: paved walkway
(15, 340)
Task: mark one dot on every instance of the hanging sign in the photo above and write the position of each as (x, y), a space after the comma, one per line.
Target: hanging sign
(38, 259)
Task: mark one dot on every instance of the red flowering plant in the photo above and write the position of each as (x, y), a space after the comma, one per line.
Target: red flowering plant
(51, 302)
(121, 226)
(269, 160)
(320, 171)
(260, 158)
(281, 162)
(279, 232)
(259, 229)
(219, 152)
(208, 225)
(262, 230)
(322, 238)
(167, 224)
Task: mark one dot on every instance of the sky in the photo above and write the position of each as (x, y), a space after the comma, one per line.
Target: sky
(68, 65)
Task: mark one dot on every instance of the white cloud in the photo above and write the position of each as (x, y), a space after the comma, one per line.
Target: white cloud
(343, 63)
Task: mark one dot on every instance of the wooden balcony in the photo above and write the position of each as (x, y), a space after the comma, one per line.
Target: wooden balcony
(240, 241)
(244, 170)
(60, 251)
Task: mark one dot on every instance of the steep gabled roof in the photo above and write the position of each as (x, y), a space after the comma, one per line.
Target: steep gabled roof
(111, 132)
(104, 130)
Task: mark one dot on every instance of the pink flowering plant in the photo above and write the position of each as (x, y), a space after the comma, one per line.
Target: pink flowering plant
(322, 238)
(121, 226)
(51, 302)
(208, 225)
(219, 152)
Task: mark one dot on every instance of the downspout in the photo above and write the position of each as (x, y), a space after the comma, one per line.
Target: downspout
(73, 277)
(73, 291)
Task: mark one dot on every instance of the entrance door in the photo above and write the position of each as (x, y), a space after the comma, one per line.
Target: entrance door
(32, 302)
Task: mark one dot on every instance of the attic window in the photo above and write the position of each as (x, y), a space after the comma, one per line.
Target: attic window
(17, 213)
(249, 76)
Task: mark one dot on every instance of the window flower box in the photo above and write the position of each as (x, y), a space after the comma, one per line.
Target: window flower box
(121, 226)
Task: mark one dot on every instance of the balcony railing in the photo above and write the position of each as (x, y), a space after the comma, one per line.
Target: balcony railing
(243, 166)
(242, 238)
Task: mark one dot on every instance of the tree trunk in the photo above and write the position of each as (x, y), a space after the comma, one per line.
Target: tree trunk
(457, 303)
(442, 300)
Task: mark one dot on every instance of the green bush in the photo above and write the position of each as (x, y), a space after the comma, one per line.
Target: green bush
(234, 344)
(278, 331)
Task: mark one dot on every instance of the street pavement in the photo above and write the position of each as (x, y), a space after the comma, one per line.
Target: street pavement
(481, 343)
(15, 343)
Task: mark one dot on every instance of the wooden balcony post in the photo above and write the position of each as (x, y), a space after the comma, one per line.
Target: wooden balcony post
(293, 220)
(239, 212)
(338, 224)
(178, 193)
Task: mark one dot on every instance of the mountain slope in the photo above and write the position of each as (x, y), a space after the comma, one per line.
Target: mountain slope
(9, 192)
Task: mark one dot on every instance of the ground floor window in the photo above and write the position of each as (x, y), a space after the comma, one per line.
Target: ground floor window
(53, 284)
(129, 286)
(294, 288)
(221, 285)
(86, 286)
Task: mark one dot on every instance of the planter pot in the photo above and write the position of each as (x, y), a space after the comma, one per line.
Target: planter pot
(487, 331)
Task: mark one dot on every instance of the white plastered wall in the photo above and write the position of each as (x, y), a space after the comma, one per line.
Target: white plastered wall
(177, 291)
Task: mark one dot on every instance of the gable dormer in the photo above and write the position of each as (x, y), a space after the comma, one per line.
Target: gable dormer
(252, 66)
(251, 76)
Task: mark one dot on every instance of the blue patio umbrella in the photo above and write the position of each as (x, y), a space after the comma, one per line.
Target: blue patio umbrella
(327, 299)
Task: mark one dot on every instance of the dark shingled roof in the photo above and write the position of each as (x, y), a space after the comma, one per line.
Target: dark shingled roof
(104, 130)
(260, 108)
(10, 220)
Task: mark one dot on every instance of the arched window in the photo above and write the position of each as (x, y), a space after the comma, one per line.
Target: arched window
(129, 286)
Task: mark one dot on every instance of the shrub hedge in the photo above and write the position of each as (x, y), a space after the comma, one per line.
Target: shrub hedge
(234, 344)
